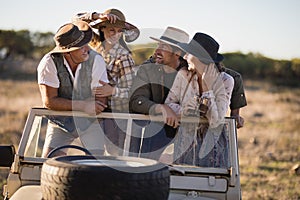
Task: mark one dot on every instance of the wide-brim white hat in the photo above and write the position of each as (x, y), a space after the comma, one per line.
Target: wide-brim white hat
(173, 36)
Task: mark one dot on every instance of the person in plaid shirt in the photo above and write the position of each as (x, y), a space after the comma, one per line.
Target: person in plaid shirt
(113, 30)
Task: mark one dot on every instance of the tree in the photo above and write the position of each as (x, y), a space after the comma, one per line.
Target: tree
(43, 43)
(296, 67)
(16, 42)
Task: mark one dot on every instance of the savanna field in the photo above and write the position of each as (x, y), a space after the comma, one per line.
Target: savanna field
(269, 143)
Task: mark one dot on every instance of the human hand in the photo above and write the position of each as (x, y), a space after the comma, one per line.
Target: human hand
(110, 17)
(209, 77)
(239, 121)
(103, 91)
(169, 116)
(94, 107)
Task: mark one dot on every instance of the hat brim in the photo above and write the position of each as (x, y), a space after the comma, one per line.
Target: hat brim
(165, 41)
(219, 58)
(200, 53)
(131, 32)
(86, 39)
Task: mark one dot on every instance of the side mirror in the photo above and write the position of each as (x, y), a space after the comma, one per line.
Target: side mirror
(7, 153)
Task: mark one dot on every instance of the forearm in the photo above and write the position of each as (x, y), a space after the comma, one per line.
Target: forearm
(172, 101)
(235, 112)
(62, 104)
(52, 101)
(85, 16)
(103, 100)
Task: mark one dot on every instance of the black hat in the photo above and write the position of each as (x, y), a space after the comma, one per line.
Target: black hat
(69, 38)
(203, 47)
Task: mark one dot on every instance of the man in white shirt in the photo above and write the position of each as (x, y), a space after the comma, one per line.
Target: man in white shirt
(66, 77)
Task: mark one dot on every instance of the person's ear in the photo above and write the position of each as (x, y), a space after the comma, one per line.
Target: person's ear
(178, 53)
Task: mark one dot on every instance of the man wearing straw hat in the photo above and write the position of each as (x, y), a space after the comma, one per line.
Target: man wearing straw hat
(151, 86)
(66, 77)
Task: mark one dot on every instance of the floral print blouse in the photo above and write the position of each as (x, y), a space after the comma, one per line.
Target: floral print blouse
(218, 98)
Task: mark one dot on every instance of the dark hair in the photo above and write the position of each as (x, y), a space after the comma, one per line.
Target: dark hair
(220, 67)
(183, 64)
(174, 49)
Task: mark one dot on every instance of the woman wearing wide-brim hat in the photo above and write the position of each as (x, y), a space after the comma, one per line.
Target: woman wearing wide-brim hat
(113, 29)
(204, 91)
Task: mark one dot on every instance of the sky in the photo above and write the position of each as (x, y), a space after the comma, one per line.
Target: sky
(268, 27)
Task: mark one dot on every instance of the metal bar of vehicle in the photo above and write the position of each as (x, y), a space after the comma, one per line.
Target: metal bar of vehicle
(30, 169)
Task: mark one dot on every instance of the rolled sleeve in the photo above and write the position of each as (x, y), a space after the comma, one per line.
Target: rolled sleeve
(47, 72)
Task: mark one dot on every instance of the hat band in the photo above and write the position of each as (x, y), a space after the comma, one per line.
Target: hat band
(75, 42)
(169, 39)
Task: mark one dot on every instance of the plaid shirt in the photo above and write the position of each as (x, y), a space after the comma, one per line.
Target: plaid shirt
(120, 73)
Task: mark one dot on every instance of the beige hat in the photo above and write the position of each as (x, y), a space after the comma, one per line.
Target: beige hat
(173, 36)
(69, 38)
(131, 32)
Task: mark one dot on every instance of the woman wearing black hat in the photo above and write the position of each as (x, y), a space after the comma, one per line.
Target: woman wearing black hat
(204, 90)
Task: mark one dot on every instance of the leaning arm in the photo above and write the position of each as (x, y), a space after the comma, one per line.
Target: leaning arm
(51, 101)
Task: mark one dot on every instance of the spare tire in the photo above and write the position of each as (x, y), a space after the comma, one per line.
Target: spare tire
(105, 177)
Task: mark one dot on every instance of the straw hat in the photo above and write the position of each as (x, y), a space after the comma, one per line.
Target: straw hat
(69, 38)
(84, 27)
(131, 32)
(173, 36)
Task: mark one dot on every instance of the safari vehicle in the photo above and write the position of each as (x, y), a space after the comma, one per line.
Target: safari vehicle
(79, 175)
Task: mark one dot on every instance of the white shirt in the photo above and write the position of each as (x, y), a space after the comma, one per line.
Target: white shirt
(219, 97)
(47, 72)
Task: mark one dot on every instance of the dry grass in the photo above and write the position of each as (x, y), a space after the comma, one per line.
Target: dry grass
(268, 144)
(17, 97)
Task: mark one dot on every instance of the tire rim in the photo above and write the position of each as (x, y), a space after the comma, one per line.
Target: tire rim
(112, 163)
